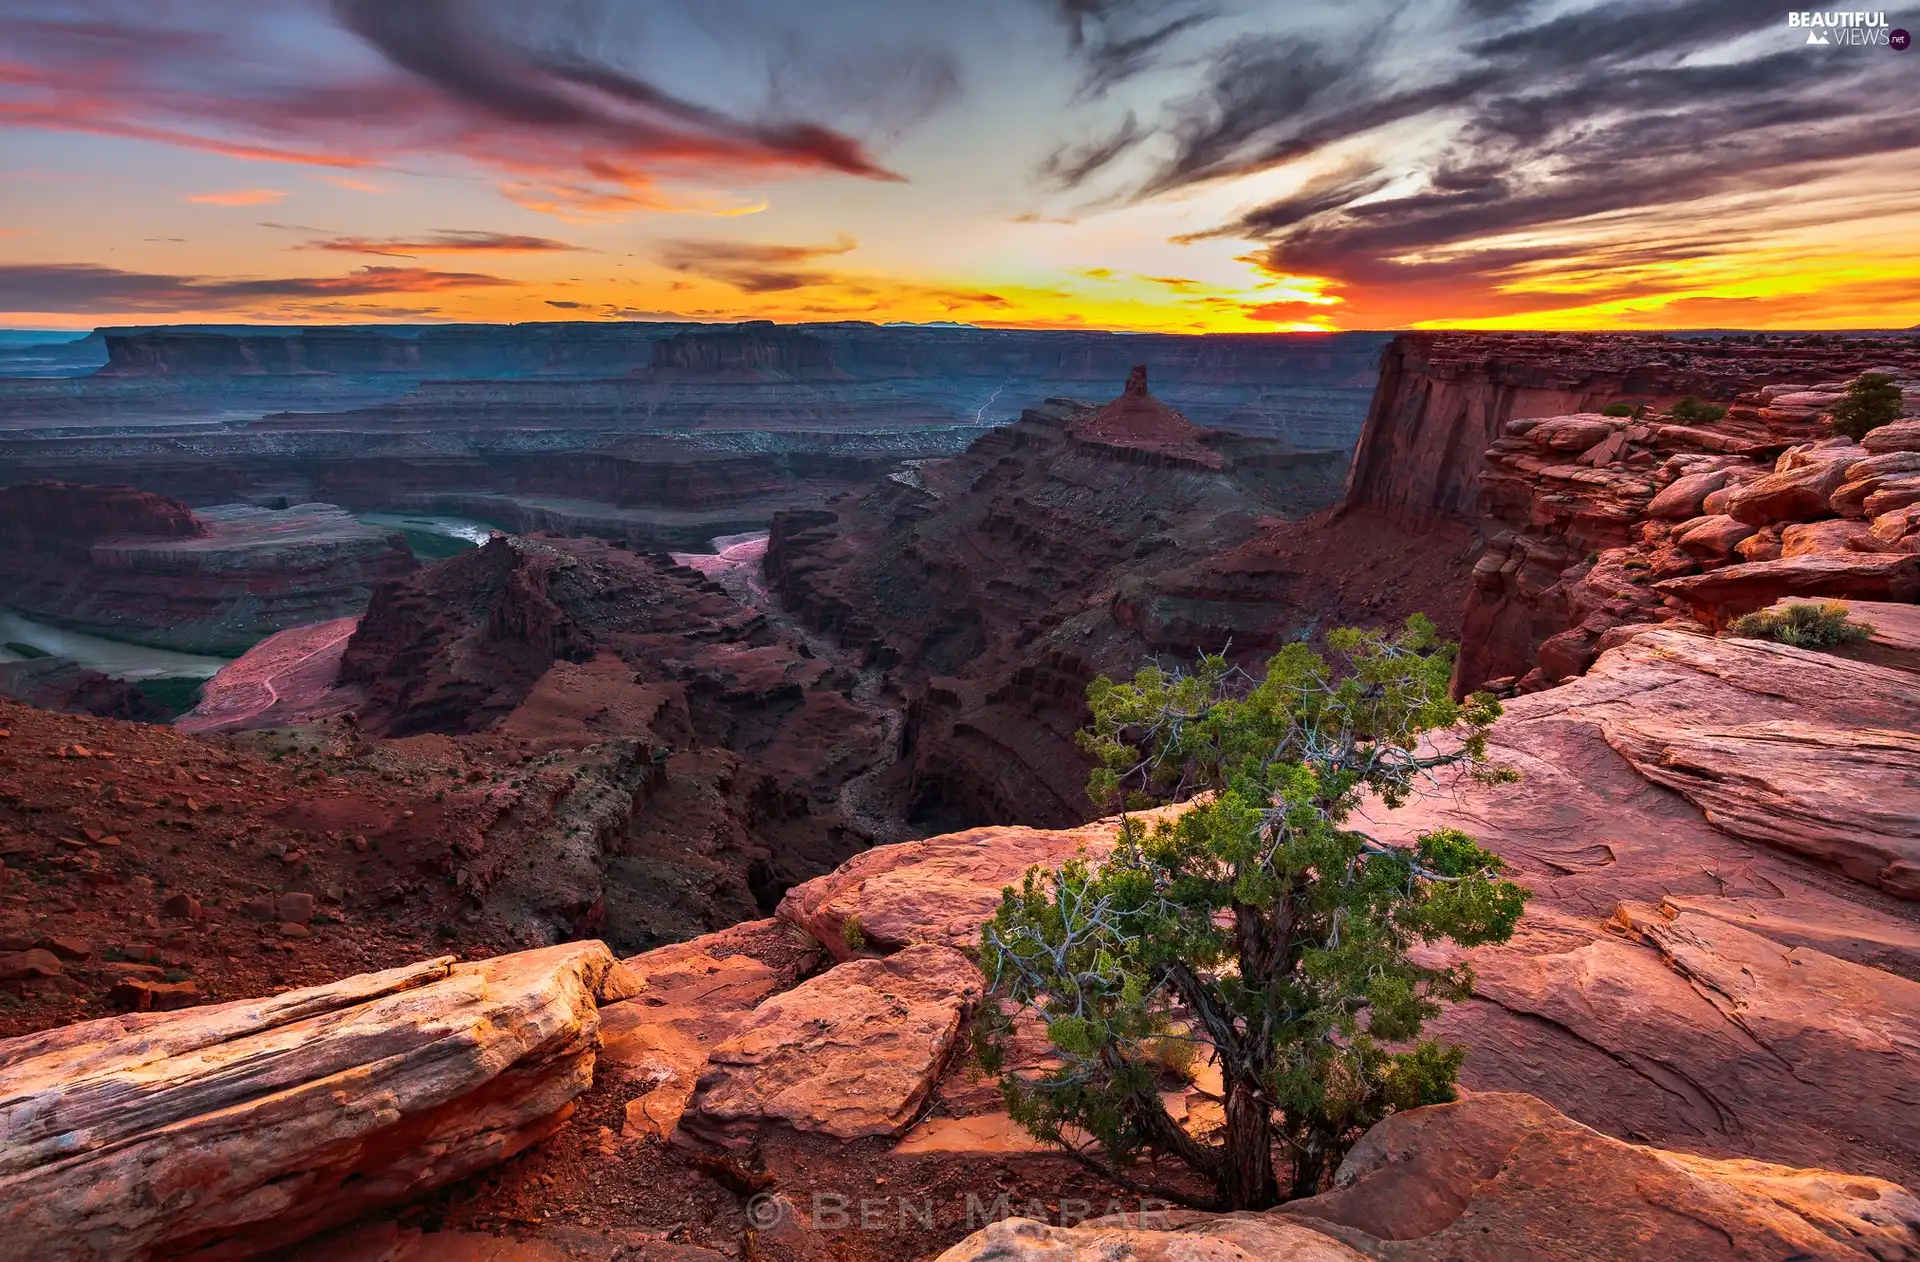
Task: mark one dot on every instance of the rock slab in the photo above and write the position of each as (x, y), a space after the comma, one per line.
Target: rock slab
(850, 1053)
(228, 1131)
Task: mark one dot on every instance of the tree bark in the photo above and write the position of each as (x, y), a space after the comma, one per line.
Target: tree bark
(1246, 1167)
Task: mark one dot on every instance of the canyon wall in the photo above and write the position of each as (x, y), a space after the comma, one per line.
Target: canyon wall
(133, 566)
(1442, 398)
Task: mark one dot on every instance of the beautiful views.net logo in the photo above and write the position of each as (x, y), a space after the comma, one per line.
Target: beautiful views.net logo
(1859, 30)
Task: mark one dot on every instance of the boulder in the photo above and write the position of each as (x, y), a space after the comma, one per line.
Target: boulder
(1893, 494)
(1719, 596)
(1682, 498)
(1797, 494)
(1764, 546)
(1832, 535)
(1711, 538)
(1504, 1177)
(1896, 530)
(692, 1002)
(1571, 433)
(234, 1129)
(850, 1053)
(1899, 436)
(939, 890)
(1850, 499)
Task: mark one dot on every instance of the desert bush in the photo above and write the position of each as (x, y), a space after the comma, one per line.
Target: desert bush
(1807, 626)
(1257, 924)
(1873, 400)
(1691, 411)
(1617, 409)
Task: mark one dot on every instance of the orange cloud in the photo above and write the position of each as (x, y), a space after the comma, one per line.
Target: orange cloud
(241, 197)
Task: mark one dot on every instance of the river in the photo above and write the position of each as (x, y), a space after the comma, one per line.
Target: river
(109, 657)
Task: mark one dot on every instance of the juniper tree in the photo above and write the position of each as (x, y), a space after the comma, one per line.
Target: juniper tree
(1260, 925)
(1873, 400)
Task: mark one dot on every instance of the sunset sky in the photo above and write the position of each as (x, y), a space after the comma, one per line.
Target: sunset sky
(1239, 165)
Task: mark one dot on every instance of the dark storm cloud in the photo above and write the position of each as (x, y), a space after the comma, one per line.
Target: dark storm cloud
(1538, 127)
(85, 288)
(753, 267)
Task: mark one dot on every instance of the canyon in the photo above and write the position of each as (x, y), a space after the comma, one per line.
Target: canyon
(658, 435)
(648, 885)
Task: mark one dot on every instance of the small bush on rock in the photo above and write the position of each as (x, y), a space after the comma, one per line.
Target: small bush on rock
(1617, 409)
(1257, 925)
(1804, 626)
(1691, 411)
(1872, 400)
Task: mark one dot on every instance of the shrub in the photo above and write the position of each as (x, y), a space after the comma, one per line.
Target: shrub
(1872, 400)
(1257, 924)
(1806, 626)
(1617, 409)
(852, 934)
(1691, 411)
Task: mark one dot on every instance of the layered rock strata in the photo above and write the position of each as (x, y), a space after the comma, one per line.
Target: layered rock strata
(997, 584)
(1594, 522)
(127, 565)
(1442, 399)
(226, 1131)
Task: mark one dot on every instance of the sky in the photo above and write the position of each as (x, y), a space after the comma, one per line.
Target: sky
(1166, 165)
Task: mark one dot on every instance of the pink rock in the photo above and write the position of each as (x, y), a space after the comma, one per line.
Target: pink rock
(1899, 436)
(1799, 494)
(1684, 496)
(849, 1053)
(1836, 535)
(1711, 538)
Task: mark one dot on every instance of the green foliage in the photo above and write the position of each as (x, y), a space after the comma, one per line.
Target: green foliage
(1691, 411)
(852, 934)
(26, 651)
(1617, 409)
(1872, 400)
(1257, 924)
(1806, 626)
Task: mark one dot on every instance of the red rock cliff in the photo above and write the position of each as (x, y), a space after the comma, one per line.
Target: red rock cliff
(1443, 397)
(59, 520)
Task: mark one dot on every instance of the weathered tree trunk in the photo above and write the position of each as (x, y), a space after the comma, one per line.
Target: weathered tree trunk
(1309, 1167)
(1246, 1169)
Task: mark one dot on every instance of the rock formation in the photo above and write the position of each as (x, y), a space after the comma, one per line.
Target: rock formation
(1078, 540)
(223, 1132)
(55, 683)
(1505, 1178)
(132, 566)
(1593, 522)
(1442, 399)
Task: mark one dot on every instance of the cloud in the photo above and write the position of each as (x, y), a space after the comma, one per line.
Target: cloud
(753, 267)
(1071, 165)
(549, 100)
(1116, 40)
(1517, 158)
(86, 288)
(347, 182)
(443, 241)
(241, 197)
